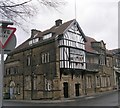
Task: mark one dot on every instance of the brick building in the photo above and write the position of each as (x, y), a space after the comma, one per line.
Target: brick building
(60, 62)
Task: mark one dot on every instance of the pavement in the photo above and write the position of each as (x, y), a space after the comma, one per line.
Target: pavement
(65, 99)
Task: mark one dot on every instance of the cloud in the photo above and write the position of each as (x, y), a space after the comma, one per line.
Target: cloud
(100, 21)
(97, 18)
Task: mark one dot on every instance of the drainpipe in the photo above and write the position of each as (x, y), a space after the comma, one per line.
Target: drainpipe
(44, 91)
(85, 84)
(94, 84)
(23, 76)
(32, 73)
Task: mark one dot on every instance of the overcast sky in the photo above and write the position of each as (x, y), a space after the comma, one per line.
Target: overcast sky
(97, 18)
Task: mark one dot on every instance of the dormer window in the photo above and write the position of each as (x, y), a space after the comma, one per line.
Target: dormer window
(47, 36)
(33, 41)
(30, 42)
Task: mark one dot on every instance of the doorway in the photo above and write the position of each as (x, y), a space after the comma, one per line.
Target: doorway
(77, 92)
(12, 90)
(65, 89)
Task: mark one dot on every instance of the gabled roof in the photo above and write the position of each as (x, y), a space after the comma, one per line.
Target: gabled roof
(88, 44)
(55, 30)
(22, 46)
(115, 51)
(89, 48)
(108, 52)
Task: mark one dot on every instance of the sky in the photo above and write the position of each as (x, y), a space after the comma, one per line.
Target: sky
(97, 18)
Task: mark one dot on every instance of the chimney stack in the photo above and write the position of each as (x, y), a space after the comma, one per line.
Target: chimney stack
(34, 32)
(58, 22)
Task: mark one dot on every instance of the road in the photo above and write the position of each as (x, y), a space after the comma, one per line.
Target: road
(108, 99)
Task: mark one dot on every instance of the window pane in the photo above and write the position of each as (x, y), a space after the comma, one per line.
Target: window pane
(43, 58)
(28, 60)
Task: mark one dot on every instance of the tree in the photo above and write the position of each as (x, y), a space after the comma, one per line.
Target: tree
(23, 9)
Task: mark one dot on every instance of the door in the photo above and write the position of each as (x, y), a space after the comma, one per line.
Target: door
(11, 93)
(65, 89)
(77, 93)
(12, 90)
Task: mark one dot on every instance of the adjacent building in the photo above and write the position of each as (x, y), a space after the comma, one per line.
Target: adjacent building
(60, 62)
(116, 66)
(99, 61)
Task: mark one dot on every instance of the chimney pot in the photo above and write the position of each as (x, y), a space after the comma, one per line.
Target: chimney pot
(58, 22)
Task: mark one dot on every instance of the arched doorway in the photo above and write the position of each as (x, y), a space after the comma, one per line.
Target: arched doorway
(12, 90)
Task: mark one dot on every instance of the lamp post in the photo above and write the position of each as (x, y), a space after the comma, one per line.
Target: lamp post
(4, 24)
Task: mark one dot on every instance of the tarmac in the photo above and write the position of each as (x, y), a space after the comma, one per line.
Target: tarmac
(65, 99)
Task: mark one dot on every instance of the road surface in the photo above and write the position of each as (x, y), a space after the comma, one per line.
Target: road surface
(108, 99)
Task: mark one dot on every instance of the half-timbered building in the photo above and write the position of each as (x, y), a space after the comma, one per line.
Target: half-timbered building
(60, 62)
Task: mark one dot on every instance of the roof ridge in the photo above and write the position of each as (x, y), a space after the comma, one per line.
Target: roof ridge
(58, 30)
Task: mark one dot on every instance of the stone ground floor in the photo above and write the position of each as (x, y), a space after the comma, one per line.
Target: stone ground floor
(36, 88)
